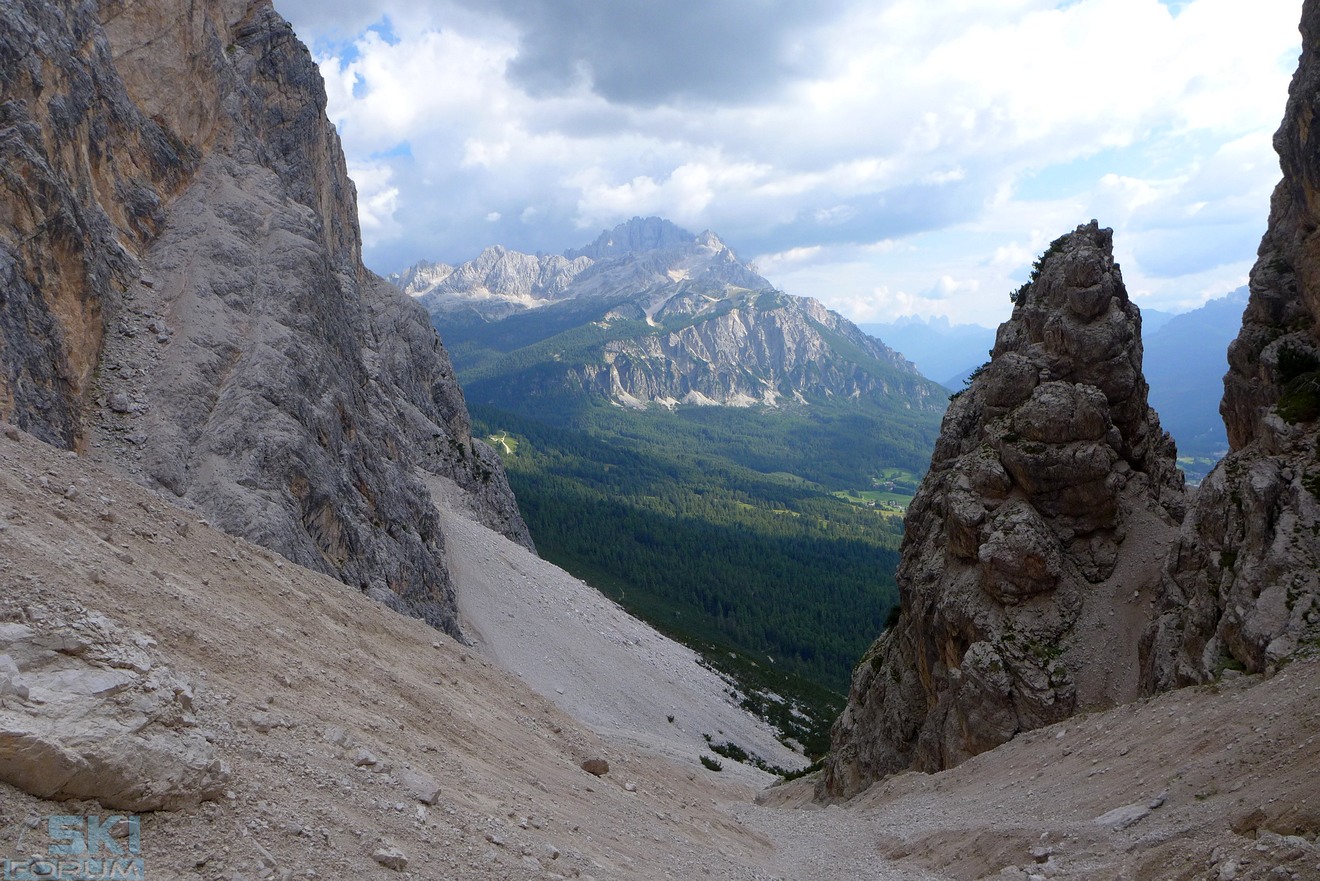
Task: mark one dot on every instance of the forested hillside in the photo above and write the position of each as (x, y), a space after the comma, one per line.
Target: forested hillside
(678, 516)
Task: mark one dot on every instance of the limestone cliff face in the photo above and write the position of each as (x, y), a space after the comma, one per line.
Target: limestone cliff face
(766, 348)
(1243, 585)
(184, 294)
(1033, 548)
(83, 172)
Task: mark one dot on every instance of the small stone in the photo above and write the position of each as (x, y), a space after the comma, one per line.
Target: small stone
(631, 787)
(338, 736)
(1122, 818)
(265, 722)
(120, 403)
(11, 432)
(421, 787)
(364, 759)
(391, 858)
(598, 767)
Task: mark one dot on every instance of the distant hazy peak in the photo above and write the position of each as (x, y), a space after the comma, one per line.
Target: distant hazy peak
(640, 234)
(420, 277)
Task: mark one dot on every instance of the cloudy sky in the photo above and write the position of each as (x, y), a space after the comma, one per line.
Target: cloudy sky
(890, 157)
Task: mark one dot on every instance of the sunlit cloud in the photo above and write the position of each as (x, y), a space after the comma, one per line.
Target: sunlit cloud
(888, 158)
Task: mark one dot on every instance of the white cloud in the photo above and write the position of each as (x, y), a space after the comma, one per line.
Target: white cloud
(378, 200)
(902, 143)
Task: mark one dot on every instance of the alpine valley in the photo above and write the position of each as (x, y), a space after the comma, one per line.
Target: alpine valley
(728, 461)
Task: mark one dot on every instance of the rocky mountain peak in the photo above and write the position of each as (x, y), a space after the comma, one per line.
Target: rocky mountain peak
(637, 235)
(685, 321)
(1032, 548)
(712, 242)
(420, 277)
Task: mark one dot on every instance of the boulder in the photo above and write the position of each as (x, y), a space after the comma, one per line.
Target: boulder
(87, 720)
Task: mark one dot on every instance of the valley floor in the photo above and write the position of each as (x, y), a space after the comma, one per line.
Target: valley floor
(333, 714)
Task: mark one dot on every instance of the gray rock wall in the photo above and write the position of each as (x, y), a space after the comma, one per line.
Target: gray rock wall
(192, 307)
(83, 172)
(1243, 584)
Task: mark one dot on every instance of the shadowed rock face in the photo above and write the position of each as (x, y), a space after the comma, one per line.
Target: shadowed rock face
(83, 172)
(184, 295)
(1243, 585)
(1033, 547)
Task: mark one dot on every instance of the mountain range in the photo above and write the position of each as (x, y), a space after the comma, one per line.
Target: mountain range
(650, 314)
(1185, 364)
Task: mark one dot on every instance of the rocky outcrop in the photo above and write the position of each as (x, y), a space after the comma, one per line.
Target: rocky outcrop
(88, 711)
(1034, 546)
(184, 293)
(1243, 584)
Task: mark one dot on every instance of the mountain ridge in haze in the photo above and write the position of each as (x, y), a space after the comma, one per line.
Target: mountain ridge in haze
(661, 317)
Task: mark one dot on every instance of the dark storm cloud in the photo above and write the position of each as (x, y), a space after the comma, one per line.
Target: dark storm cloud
(645, 53)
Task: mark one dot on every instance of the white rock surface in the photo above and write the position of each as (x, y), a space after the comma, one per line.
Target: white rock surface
(558, 634)
(97, 719)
